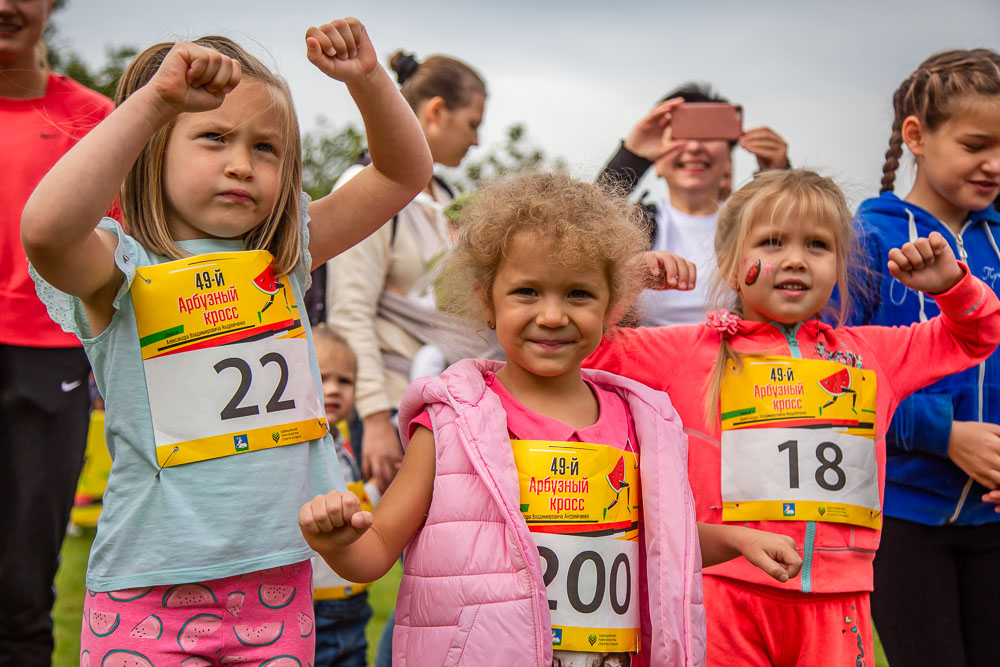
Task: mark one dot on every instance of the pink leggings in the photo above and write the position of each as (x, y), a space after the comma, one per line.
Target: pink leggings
(264, 618)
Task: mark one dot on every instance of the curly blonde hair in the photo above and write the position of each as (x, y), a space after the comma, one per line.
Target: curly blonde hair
(583, 223)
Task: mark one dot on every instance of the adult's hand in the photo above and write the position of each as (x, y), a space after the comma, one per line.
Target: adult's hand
(381, 451)
(650, 138)
(767, 146)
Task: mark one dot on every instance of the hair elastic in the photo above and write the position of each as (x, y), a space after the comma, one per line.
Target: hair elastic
(406, 65)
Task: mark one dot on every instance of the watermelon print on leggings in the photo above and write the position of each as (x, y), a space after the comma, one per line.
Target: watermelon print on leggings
(260, 618)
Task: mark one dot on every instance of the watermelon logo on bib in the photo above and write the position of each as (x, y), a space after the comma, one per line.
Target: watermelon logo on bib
(616, 480)
(268, 284)
(837, 385)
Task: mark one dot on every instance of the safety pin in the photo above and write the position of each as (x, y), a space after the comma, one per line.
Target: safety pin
(172, 452)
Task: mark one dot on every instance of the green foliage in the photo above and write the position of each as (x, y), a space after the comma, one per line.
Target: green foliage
(326, 153)
(70, 63)
(511, 156)
(104, 80)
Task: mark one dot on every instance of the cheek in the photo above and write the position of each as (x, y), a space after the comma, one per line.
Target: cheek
(753, 272)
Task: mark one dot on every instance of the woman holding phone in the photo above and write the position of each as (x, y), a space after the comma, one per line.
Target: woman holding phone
(698, 173)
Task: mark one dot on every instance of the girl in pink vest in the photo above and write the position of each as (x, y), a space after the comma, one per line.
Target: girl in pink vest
(787, 415)
(544, 510)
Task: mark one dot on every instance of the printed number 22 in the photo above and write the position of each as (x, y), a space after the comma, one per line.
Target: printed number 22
(275, 404)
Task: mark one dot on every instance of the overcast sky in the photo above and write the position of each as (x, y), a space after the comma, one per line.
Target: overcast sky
(580, 73)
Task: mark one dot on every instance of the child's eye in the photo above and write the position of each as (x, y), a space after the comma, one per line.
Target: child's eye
(770, 242)
(524, 291)
(973, 148)
(212, 136)
(579, 294)
(821, 245)
(265, 147)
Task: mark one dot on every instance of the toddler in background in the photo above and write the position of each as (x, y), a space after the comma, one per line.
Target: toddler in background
(341, 607)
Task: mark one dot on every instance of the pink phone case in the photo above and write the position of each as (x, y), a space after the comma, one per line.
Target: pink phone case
(707, 120)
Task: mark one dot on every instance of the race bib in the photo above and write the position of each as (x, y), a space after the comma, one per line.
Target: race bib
(798, 442)
(581, 504)
(225, 357)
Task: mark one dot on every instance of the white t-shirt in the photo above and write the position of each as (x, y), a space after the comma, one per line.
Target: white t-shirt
(693, 238)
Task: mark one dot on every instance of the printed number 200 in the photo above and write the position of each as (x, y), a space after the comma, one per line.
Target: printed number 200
(827, 464)
(233, 410)
(573, 580)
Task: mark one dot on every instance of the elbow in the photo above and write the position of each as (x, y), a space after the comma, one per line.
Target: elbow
(36, 239)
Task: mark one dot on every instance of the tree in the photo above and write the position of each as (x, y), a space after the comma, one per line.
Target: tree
(511, 156)
(326, 153)
(70, 63)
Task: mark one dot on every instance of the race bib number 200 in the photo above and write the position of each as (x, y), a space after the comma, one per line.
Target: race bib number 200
(225, 357)
(581, 504)
(798, 442)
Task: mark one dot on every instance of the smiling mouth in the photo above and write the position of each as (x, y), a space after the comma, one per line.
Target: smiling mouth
(694, 165)
(793, 287)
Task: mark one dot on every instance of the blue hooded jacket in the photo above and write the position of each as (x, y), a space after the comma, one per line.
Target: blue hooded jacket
(921, 482)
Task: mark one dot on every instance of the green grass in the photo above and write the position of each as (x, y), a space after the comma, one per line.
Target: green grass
(68, 611)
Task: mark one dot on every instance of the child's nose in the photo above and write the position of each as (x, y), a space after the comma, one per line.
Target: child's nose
(551, 315)
(239, 164)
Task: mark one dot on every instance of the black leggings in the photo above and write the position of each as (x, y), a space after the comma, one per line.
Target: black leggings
(936, 591)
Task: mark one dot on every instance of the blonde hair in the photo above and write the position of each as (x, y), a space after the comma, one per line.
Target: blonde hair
(142, 199)
(585, 223)
(798, 194)
(935, 91)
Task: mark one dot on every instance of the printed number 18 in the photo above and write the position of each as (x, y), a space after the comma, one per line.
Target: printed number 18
(822, 451)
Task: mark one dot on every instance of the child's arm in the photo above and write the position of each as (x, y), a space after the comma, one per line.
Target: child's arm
(966, 331)
(401, 162)
(58, 224)
(772, 553)
(362, 546)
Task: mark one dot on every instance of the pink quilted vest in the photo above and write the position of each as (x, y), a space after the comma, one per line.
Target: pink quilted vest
(472, 591)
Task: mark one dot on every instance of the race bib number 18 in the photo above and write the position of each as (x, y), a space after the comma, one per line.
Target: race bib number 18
(225, 357)
(798, 442)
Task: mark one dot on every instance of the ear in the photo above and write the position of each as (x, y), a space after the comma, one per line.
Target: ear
(433, 110)
(487, 303)
(914, 134)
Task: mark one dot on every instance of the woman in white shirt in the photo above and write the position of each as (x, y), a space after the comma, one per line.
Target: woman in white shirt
(698, 174)
(379, 292)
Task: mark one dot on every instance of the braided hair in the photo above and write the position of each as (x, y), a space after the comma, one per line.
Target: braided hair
(932, 93)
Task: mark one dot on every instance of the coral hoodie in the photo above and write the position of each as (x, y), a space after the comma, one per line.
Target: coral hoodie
(679, 360)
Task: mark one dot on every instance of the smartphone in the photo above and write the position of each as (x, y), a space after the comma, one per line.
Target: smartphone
(707, 120)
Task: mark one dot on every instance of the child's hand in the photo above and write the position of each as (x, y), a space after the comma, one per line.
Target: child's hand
(975, 448)
(926, 264)
(195, 78)
(667, 270)
(333, 521)
(772, 553)
(341, 49)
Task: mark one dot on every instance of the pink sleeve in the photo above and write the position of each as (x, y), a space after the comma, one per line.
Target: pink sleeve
(965, 333)
(423, 419)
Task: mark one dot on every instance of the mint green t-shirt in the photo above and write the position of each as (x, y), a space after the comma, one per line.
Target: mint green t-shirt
(198, 521)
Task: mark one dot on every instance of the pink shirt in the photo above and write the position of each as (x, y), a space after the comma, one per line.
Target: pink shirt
(613, 426)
